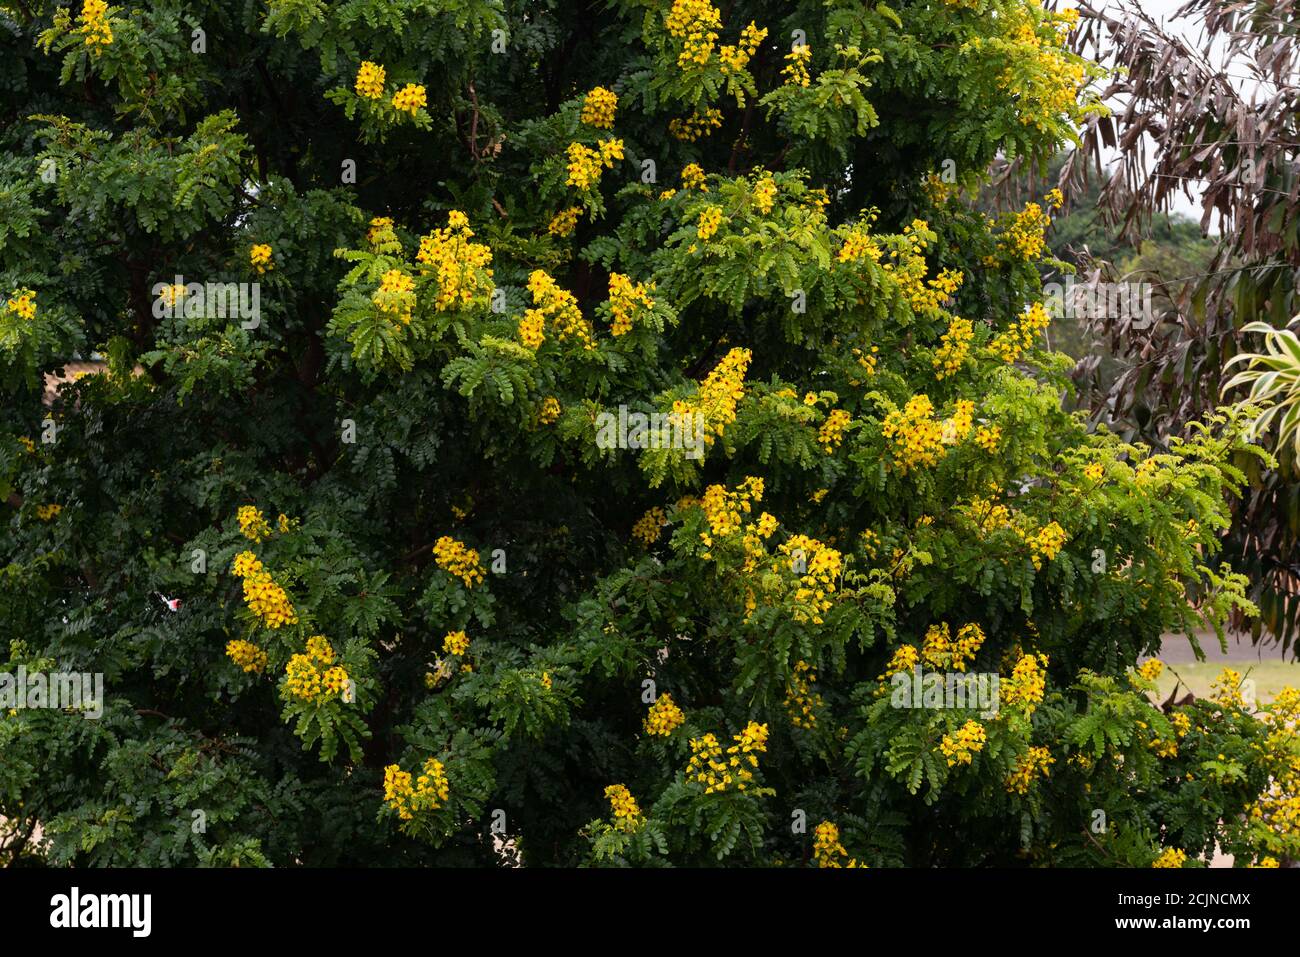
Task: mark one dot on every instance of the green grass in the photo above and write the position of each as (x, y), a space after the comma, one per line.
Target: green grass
(1269, 677)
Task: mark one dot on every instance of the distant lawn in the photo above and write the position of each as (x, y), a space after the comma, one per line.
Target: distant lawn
(1269, 677)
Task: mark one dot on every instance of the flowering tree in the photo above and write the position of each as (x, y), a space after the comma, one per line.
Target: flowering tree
(570, 433)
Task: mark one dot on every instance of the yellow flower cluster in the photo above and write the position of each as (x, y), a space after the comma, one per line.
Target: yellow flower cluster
(765, 194)
(719, 394)
(954, 347)
(831, 433)
(917, 435)
(452, 556)
(942, 651)
(969, 740)
(795, 70)
(1170, 857)
(1046, 543)
(723, 509)
(410, 98)
(827, 849)
(560, 307)
(1035, 762)
(47, 512)
(1151, 669)
(455, 643)
(310, 676)
(599, 107)
(563, 223)
(460, 265)
(664, 717)
(260, 258)
(1041, 76)
(1028, 681)
(648, 526)
(905, 659)
(380, 231)
(370, 80)
(801, 698)
(956, 428)
(859, 245)
(626, 301)
(246, 655)
(710, 220)
(695, 126)
(586, 164)
(821, 569)
(627, 816)
(550, 410)
(429, 792)
(695, 24)
(23, 303)
(395, 295)
(252, 523)
(1024, 235)
(1226, 689)
(267, 600)
(736, 57)
(717, 770)
(987, 437)
(246, 564)
(1019, 337)
(95, 28)
(693, 178)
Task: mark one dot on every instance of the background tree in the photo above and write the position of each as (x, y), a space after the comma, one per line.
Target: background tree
(1215, 119)
(429, 615)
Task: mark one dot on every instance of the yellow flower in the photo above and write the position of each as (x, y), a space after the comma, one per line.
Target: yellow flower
(693, 178)
(95, 29)
(710, 220)
(1094, 471)
(550, 410)
(1035, 762)
(827, 849)
(410, 98)
(969, 740)
(627, 816)
(462, 562)
(987, 437)
(395, 295)
(23, 303)
(459, 264)
(260, 258)
(953, 348)
(801, 699)
(599, 107)
(1151, 669)
(252, 523)
(648, 525)
(563, 223)
(664, 717)
(370, 80)
(560, 307)
(831, 433)
(47, 512)
(795, 70)
(455, 643)
(695, 126)
(627, 300)
(1170, 857)
(246, 655)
